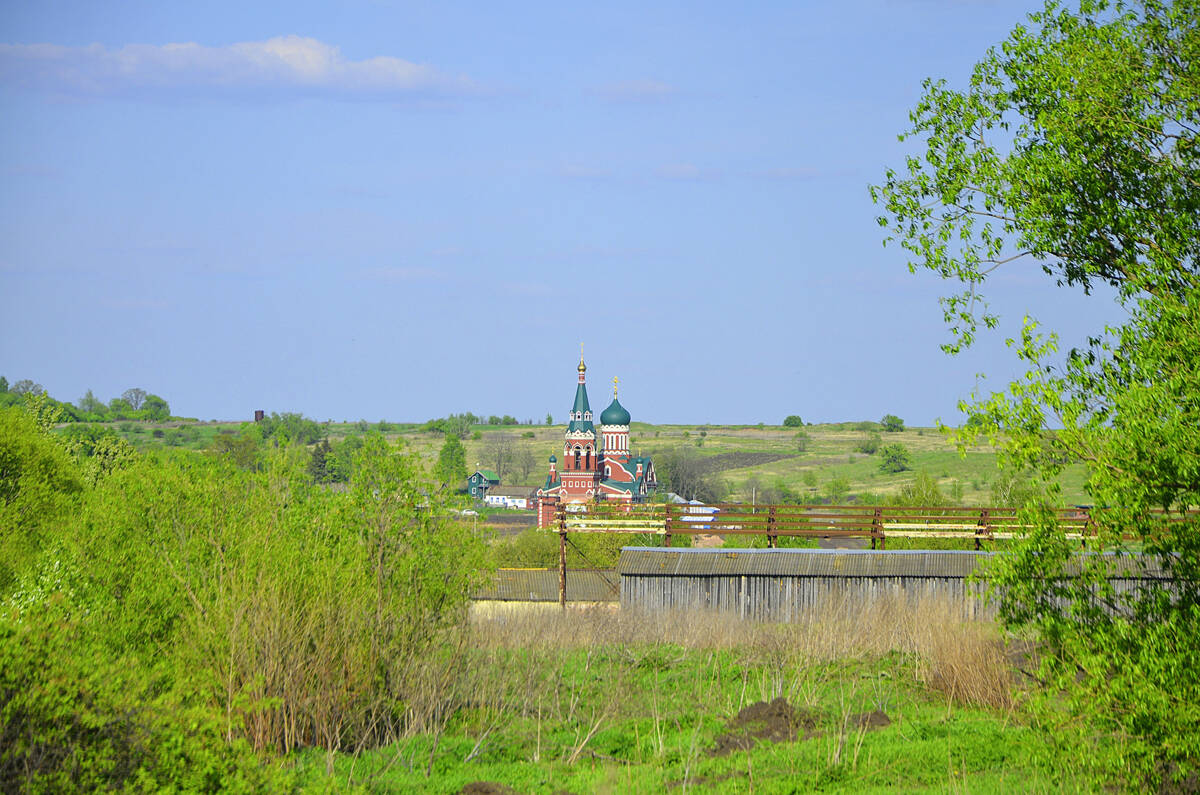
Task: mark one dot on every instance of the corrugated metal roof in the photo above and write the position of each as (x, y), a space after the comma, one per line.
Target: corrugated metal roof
(511, 491)
(652, 561)
(541, 585)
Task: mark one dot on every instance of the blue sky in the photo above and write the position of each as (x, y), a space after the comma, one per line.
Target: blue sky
(402, 210)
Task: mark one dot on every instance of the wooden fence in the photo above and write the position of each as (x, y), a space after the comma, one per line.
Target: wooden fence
(876, 523)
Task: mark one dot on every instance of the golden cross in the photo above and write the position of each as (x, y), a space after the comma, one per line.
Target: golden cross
(614, 386)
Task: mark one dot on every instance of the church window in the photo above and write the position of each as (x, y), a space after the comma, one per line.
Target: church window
(577, 458)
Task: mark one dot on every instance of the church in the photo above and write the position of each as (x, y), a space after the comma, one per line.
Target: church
(596, 464)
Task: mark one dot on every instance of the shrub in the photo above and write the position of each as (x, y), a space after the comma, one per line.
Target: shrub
(296, 615)
(40, 486)
(870, 444)
(894, 458)
(792, 421)
(922, 491)
(891, 423)
(79, 719)
(837, 488)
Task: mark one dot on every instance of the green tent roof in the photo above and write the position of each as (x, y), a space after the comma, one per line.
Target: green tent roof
(581, 400)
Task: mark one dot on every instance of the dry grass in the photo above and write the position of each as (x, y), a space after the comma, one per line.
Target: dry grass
(963, 659)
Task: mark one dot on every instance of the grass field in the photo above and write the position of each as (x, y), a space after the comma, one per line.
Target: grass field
(595, 701)
(747, 459)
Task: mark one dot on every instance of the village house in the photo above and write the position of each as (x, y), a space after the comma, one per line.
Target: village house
(510, 496)
(479, 483)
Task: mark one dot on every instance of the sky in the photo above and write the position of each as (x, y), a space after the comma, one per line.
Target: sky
(392, 210)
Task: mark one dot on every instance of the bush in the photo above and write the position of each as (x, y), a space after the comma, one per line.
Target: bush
(837, 488)
(284, 613)
(870, 444)
(538, 549)
(40, 486)
(922, 491)
(792, 421)
(894, 458)
(290, 428)
(79, 719)
(891, 423)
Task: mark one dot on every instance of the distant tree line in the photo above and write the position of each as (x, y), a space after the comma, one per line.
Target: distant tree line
(133, 404)
(460, 424)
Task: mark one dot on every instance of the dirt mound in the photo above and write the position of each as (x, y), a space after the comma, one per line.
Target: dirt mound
(776, 721)
(871, 720)
(486, 788)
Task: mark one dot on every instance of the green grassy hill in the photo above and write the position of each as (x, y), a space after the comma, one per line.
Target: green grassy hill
(750, 462)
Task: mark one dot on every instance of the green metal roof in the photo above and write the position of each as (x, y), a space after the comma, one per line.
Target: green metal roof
(488, 474)
(541, 585)
(615, 414)
(576, 426)
(581, 400)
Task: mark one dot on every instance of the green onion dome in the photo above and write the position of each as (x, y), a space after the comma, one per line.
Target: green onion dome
(615, 414)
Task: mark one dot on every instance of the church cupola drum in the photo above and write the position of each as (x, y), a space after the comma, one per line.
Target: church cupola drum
(596, 465)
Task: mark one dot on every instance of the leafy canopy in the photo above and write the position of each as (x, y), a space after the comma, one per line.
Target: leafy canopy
(1073, 149)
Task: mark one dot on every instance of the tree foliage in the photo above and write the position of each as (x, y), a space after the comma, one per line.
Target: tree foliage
(1075, 148)
(160, 622)
(869, 444)
(451, 468)
(792, 421)
(894, 458)
(683, 471)
(134, 397)
(40, 485)
(288, 427)
(891, 423)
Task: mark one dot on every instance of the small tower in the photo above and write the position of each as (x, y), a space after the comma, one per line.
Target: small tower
(614, 428)
(580, 459)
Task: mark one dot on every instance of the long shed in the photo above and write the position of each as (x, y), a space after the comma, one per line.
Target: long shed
(784, 584)
(536, 590)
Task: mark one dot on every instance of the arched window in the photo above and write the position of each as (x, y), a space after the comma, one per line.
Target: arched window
(577, 456)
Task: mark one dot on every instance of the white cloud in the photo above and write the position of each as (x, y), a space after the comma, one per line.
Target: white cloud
(636, 91)
(291, 64)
